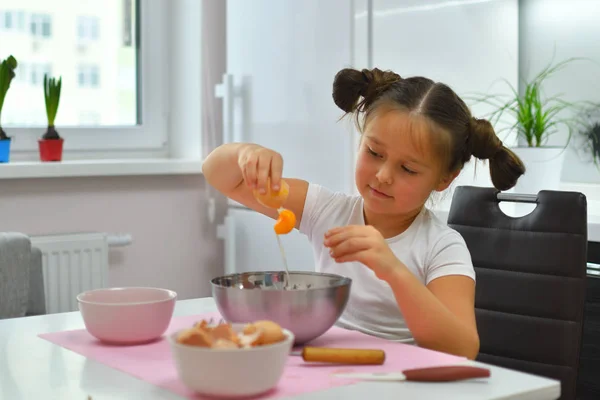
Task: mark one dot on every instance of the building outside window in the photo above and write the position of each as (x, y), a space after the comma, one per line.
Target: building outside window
(40, 25)
(88, 28)
(107, 66)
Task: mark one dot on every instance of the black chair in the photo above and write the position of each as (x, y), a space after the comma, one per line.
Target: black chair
(531, 279)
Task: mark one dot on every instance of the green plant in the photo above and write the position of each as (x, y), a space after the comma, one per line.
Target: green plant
(592, 140)
(52, 98)
(537, 117)
(589, 135)
(7, 73)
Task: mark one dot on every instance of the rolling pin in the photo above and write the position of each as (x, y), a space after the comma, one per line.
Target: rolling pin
(341, 356)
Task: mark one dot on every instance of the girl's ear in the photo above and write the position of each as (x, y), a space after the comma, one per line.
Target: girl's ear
(446, 181)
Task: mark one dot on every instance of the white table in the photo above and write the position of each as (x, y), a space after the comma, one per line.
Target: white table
(33, 368)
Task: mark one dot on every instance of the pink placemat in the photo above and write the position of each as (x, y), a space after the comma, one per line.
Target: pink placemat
(153, 363)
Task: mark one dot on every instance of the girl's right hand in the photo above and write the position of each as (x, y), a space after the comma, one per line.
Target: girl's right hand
(260, 165)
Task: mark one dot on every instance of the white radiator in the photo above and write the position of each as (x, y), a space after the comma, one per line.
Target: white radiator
(73, 263)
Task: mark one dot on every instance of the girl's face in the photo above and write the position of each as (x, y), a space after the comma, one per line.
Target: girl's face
(397, 168)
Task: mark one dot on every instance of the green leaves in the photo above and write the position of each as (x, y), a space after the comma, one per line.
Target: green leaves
(7, 73)
(592, 142)
(12, 62)
(52, 97)
(537, 118)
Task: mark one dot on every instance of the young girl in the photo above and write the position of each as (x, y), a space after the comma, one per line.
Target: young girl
(412, 275)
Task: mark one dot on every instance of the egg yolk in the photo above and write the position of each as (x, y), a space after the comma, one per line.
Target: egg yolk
(285, 223)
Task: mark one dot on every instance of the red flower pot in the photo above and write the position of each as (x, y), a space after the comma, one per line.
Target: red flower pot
(51, 149)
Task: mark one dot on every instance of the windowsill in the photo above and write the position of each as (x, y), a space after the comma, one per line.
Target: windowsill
(79, 168)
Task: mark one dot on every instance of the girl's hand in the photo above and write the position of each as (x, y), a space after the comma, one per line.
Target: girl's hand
(260, 165)
(363, 244)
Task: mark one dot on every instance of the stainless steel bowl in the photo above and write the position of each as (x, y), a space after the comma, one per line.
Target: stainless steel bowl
(310, 305)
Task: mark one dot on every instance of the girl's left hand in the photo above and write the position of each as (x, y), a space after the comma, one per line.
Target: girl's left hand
(363, 244)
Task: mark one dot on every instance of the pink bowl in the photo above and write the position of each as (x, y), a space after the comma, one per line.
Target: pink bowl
(128, 315)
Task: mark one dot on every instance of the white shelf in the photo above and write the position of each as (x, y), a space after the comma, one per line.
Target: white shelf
(80, 168)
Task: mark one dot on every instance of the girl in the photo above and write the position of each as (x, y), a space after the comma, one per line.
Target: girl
(412, 276)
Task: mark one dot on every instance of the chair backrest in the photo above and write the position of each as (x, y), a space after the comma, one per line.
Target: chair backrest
(37, 293)
(15, 257)
(531, 280)
(21, 277)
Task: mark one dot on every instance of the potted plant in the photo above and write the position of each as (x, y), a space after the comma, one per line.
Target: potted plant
(51, 144)
(7, 73)
(536, 118)
(588, 140)
(591, 135)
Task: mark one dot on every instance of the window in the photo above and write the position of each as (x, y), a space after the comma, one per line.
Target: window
(20, 20)
(87, 28)
(11, 20)
(88, 76)
(114, 100)
(37, 72)
(40, 25)
(8, 24)
(116, 94)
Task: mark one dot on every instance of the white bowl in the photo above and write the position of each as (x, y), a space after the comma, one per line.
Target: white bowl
(127, 315)
(231, 372)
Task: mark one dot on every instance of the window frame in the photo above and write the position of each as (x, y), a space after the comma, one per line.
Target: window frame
(149, 138)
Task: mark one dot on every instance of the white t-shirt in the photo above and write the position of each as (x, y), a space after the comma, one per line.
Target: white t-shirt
(429, 248)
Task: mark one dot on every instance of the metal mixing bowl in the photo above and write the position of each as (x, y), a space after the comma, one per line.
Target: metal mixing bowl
(310, 305)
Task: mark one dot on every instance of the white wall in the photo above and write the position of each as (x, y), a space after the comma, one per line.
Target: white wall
(174, 246)
(564, 29)
(467, 45)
